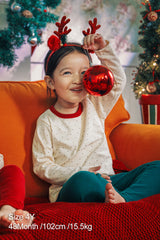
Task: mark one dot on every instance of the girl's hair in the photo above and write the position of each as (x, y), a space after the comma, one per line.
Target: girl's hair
(51, 64)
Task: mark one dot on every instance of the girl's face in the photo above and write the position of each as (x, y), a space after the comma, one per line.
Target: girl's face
(67, 79)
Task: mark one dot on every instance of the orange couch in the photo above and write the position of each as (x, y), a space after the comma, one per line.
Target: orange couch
(20, 105)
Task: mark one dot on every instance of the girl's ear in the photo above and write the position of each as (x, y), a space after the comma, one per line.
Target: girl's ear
(49, 81)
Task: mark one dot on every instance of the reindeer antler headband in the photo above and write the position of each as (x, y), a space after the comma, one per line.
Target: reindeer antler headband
(58, 40)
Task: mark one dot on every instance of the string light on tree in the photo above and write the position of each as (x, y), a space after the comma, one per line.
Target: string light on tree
(140, 88)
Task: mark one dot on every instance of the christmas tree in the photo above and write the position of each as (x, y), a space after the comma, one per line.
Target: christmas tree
(25, 18)
(147, 78)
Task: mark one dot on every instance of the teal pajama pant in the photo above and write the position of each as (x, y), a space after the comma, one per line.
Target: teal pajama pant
(136, 184)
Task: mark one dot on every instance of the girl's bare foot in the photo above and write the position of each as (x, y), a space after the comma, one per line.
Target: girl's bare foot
(9, 215)
(111, 195)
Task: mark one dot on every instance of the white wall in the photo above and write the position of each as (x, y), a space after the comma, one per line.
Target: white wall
(131, 103)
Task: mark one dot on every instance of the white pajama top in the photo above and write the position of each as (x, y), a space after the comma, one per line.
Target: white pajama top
(64, 144)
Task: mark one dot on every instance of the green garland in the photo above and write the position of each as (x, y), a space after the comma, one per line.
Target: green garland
(25, 18)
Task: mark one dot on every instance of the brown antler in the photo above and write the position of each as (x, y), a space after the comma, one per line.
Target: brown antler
(62, 29)
(93, 26)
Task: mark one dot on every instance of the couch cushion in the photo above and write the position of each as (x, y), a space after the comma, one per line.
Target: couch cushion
(21, 104)
(118, 115)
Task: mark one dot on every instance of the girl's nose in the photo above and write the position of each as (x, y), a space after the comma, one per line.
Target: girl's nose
(78, 78)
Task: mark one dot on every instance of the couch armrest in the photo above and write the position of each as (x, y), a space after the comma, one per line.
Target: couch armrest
(136, 144)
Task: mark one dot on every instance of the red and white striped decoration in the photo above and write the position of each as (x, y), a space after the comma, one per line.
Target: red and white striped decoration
(150, 109)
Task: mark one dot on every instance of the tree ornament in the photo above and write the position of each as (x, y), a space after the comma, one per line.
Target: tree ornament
(98, 80)
(27, 14)
(151, 87)
(32, 40)
(152, 16)
(15, 7)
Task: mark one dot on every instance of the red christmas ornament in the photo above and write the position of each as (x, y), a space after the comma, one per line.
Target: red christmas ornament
(98, 80)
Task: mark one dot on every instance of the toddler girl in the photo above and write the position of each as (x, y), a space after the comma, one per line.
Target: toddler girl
(70, 150)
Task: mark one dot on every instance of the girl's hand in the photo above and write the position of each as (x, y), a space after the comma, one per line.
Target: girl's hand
(94, 169)
(103, 175)
(94, 42)
(106, 177)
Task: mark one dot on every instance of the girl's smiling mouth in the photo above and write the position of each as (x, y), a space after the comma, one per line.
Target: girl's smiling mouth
(79, 89)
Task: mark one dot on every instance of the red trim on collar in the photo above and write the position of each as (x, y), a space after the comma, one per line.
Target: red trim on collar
(72, 115)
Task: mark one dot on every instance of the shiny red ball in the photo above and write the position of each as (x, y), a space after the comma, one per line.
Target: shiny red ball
(98, 80)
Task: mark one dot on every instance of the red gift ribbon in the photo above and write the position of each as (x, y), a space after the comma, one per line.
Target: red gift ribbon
(155, 80)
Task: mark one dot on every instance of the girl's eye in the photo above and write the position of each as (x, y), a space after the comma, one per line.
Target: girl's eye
(83, 72)
(66, 73)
